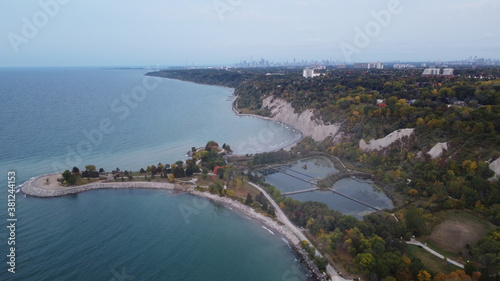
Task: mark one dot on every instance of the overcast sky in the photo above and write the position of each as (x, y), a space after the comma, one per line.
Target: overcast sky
(209, 32)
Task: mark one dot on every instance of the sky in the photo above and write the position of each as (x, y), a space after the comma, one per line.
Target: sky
(223, 32)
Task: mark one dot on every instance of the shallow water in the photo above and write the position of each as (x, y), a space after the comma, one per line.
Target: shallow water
(320, 167)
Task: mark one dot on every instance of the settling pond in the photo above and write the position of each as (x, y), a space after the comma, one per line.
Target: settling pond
(320, 167)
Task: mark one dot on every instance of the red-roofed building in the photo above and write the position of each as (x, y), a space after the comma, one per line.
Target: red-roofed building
(382, 104)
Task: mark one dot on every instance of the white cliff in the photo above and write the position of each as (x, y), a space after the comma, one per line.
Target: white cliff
(438, 150)
(495, 167)
(305, 122)
(386, 141)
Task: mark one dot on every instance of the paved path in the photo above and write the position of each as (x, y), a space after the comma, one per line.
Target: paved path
(284, 219)
(415, 242)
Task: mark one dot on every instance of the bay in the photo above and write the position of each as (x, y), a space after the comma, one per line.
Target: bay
(54, 118)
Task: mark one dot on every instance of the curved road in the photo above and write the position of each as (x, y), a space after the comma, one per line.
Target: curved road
(284, 219)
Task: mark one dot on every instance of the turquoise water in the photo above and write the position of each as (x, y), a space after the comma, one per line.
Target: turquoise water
(57, 118)
(319, 167)
(54, 119)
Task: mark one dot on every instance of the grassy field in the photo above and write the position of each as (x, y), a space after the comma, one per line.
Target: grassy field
(431, 262)
(455, 230)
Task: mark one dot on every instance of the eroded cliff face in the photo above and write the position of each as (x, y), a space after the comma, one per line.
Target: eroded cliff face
(438, 150)
(305, 122)
(379, 144)
(495, 167)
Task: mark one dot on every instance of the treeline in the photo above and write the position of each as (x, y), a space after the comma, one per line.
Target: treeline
(377, 244)
(271, 157)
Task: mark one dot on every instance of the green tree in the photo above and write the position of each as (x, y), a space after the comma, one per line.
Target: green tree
(249, 200)
(68, 177)
(415, 221)
(90, 168)
(364, 262)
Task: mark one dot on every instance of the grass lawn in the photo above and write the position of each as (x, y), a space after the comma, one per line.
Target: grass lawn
(247, 188)
(431, 262)
(82, 181)
(457, 229)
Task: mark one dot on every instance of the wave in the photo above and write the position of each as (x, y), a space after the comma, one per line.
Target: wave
(268, 230)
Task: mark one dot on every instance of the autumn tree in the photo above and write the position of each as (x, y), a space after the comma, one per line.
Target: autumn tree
(423, 276)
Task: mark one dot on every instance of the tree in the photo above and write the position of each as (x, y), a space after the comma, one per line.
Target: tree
(101, 171)
(66, 174)
(487, 251)
(416, 266)
(75, 170)
(216, 188)
(440, 277)
(90, 168)
(415, 221)
(413, 192)
(69, 178)
(423, 276)
(249, 200)
(470, 268)
(364, 262)
(210, 145)
(159, 169)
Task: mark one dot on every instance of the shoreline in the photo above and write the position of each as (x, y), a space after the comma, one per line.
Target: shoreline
(288, 147)
(31, 188)
(276, 225)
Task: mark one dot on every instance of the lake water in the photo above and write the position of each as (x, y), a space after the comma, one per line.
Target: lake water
(57, 118)
(320, 167)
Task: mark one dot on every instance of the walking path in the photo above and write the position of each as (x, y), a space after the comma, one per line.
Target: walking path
(415, 242)
(284, 219)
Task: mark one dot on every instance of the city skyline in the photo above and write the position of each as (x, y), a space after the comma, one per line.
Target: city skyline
(223, 32)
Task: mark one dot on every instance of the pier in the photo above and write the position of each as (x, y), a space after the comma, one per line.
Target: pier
(355, 200)
(300, 191)
(312, 181)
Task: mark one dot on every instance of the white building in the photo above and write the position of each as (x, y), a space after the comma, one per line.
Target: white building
(448, 71)
(309, 73)
(436, 71)
(431, 71)
(377, 65)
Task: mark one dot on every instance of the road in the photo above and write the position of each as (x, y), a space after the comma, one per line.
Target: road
(415, 242)
(284, 219)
